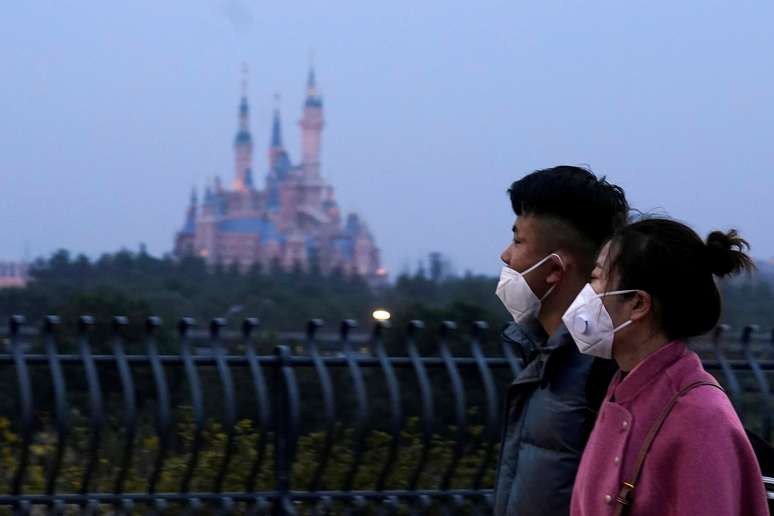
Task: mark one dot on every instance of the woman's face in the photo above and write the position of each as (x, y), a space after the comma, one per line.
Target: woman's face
(599, 281)
(602, 280)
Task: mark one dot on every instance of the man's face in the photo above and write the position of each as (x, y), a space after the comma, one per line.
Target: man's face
(526, 249)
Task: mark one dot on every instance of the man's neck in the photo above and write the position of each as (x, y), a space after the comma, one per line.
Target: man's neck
(559, 301)
(550, 321)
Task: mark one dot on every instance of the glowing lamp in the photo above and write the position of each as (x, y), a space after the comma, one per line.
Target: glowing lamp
(381, 315)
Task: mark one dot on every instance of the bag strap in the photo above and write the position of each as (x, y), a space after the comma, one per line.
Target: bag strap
(625, 495)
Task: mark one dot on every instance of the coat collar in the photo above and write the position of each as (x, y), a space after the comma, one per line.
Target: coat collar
(542, 348)
(647, 371)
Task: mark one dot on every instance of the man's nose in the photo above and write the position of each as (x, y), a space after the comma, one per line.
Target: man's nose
(506, 256)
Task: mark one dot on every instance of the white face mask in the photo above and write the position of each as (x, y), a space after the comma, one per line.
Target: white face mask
(514, 292)
(589, 322)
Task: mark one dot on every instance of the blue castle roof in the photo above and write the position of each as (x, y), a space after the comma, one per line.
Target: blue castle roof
(346, 246)
(190, 226)
(265, 228)
(243, 137)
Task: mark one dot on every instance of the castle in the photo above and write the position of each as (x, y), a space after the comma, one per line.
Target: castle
(294, 221)
(13, 274)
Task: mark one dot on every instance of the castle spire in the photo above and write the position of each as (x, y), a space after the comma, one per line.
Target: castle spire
(312, 97)
(311, 127)
(189, 228)
(243, 143)
(244, 109)
(311, 83)
(276, 125)
(244, 80)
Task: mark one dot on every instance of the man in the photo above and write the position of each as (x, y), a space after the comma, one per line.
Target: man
(564, 215)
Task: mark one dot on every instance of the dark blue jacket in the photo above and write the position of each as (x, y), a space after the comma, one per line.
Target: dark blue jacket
(550, 411)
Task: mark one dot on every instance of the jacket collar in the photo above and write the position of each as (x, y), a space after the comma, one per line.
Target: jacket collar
(542, 348)
(528, 334)
(647, 371)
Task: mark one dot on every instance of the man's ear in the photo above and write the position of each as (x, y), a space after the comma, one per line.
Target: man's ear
(558, 270)
(643, 304)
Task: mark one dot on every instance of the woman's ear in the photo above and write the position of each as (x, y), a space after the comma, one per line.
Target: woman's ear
(642, 305)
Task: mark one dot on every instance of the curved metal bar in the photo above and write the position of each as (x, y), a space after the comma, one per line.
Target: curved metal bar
(423, 502)
(426, 397)
(259, 505)
(226, 505)
(396, 409)
(515, 363)
(164, 412)
(259, 385)
(286, 432)
(96, 416)
(130, 405)
(229, 421)
(732, 383)
(324, 506)
(361, 417)
(61, 409)
(90, 508)
(197, 401)
(56, 508)
(491, 428)
(126, 506)
(159, 506)
(23, 508)
(760, 378)
(390, 505)
(25, 401)
(329, 403)
(447, 327)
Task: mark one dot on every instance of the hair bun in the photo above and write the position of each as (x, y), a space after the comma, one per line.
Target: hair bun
(726, 253)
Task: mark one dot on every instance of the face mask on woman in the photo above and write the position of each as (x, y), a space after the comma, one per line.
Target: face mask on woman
(589, 322)
(514, 292)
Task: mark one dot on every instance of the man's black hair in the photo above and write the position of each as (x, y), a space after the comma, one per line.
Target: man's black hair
(575, 196)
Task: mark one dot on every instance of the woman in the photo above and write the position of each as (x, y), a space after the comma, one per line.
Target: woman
(667, 440)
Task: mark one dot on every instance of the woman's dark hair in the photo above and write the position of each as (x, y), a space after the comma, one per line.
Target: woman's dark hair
(669, 261)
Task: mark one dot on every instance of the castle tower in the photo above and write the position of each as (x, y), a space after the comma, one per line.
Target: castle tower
(276, 149)
(243, 143)
(311, 128)
(190, 218)
(184, 240)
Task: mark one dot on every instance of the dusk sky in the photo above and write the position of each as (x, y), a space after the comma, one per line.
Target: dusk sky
(112, 111)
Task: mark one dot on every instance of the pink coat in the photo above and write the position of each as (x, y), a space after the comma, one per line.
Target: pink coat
(701, 463)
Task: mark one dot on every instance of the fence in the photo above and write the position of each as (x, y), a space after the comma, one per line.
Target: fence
(321, 424)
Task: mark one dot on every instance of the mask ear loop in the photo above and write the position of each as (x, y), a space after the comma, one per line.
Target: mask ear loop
(561, 262)
(615, 293)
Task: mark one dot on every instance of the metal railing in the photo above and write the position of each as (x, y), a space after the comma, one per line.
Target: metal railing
(99, 427)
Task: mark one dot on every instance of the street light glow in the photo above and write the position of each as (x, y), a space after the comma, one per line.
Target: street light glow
(381, 315)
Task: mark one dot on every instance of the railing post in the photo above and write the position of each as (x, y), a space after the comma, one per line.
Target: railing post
(285, 403)
(759, 376)
(26, 403)
(732, 383)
